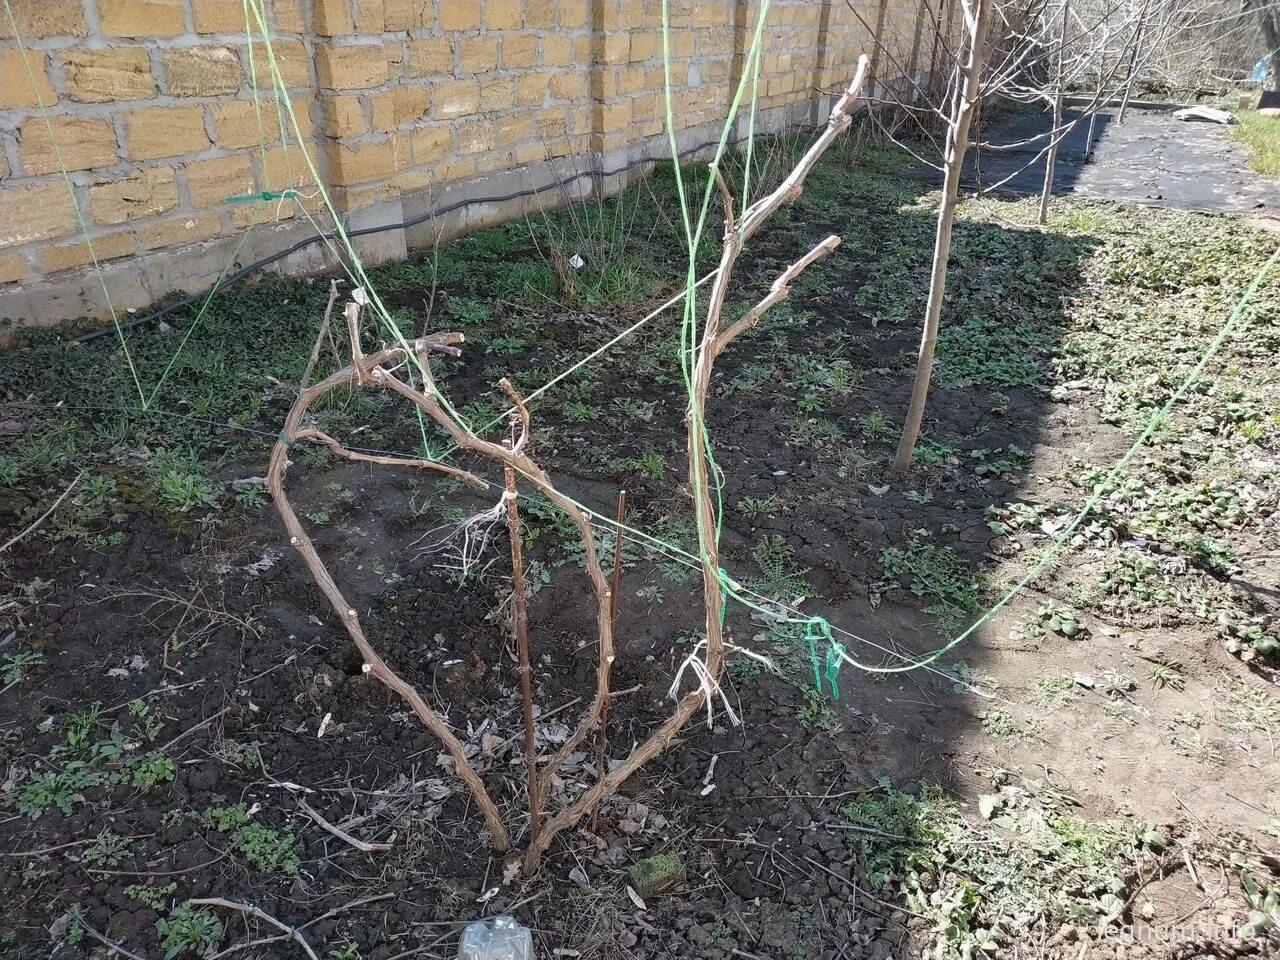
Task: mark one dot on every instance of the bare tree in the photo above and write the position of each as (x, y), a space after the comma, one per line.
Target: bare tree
(977, 16)
(1027, 51)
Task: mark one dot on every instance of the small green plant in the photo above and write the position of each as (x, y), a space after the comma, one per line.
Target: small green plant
(250, 496)
(1116, 684)
(1000, 723)
(63, 789)
(466, 312)
(1167, 676)
(149, 770)
(1053, 691)
(877, 427)
(816, 713)
(1052, 618)
(75, 929)
(580, 411)
(108, 850)
(757, 508)
(348, 951)
(151, 895)
(814, 431)
(780, 578)
(16, 667)
(188, 931)
(180, 484)
(997, 463)
(932, 454)
(651, 463)
(933, 571)
(1200, 748)
(1264, 908)
(267, 849)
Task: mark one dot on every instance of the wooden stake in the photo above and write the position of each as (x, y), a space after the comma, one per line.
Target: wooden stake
(520, 621)
(602, 735)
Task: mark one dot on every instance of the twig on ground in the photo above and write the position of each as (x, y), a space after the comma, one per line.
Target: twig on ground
(362, 845)
(111, 945)
(290, 933)
(192, 729)
(44, 516)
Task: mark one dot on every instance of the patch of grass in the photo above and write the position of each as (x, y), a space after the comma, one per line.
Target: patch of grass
(993, 351)
(1262, 136)
(1053, 691)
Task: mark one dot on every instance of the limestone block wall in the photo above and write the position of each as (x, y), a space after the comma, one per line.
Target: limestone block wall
(133, 121)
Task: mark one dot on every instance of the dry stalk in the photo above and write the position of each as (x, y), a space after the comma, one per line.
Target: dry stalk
(44, 516)
(520, 626)
(615, 591)
(291, 433)
(362, 845)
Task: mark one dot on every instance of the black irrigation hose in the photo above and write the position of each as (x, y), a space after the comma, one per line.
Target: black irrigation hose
(403, 224)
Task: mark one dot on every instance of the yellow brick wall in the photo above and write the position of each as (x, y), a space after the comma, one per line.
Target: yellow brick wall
(151, 107)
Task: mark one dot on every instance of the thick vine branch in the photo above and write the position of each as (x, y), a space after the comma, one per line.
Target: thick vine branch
(736, 234)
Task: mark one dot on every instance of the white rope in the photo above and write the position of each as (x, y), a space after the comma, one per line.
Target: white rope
(710, 688)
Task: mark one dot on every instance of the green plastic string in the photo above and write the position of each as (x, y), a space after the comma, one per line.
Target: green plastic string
(263, 197)
(811, 635)
(828, 666)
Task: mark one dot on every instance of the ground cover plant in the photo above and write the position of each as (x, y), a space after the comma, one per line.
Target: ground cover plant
(181, 728)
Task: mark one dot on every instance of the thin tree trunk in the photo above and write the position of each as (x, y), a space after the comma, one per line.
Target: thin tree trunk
(958, 144)
(1271, 37)
(1133, 61)
(1051, 160)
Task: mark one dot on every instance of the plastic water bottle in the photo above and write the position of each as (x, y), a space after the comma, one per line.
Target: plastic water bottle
(501, 938)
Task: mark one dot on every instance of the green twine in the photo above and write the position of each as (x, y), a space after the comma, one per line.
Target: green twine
(283, 438)
(828, 668)
(264, 197)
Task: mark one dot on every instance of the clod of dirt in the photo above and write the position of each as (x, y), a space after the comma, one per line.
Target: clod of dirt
(656, 875)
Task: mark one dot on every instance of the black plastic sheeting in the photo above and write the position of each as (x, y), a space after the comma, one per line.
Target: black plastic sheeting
(1150, 158)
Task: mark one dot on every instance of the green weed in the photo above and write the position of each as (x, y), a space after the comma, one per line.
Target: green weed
(188, 931)
(780, 578)
(933, 571)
